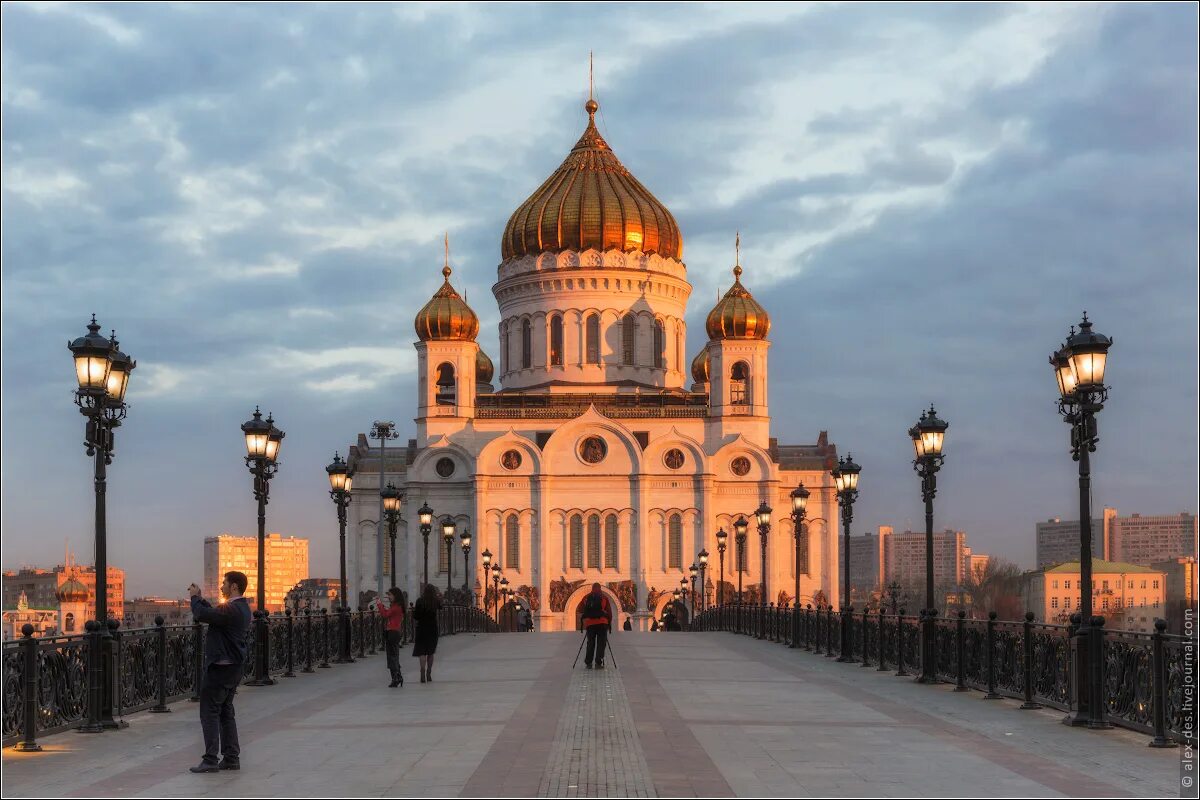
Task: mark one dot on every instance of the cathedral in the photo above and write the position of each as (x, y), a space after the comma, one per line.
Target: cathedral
(592, 449)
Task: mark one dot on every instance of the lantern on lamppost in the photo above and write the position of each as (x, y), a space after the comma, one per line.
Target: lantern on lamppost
(702, 557)
(845, 481)
(448, 531)
(465, 541)
(1079, 367)
(393, 501)
(722, 543)
(739, 539)
(486, 558)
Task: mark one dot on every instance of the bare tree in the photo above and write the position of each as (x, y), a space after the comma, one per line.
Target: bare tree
(994, 586)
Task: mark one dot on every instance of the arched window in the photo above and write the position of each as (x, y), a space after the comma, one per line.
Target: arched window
(628, 337)
(678, 348)
(576, 542)
(593, 339)
(612, 543)
(445, 384)
(526, 344)
(505, 357)
(739, 382)
(512, 543)
(593, 542)
(675, 542)
(556, 341)
(660, 343)
(69, 624)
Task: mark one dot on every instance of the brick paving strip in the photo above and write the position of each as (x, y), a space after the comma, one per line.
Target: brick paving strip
(596, 752)
(679, 764)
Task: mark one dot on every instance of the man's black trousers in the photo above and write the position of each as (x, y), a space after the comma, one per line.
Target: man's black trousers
(597, 641)
(217, 720)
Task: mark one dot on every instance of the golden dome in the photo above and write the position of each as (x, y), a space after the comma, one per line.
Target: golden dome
(484, 369)
(591, 201)
(446, 317)
(700, 366)
(738, 315)
(72, 591)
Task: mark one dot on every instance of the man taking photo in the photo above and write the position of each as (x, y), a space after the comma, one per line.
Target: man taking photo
(225, 649)
(597, 621)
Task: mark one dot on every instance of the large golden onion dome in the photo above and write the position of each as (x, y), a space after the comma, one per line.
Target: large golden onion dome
(737, 315)
(591, 201)
(72, 591)
(446, 317)
(484, 369)
(700, 366)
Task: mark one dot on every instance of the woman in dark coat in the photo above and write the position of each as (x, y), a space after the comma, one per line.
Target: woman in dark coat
(425, 638)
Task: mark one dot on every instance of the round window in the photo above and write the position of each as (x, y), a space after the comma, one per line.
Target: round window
(445, 467)
(673, 458)
(740, 466)
(593, 450)
(511, 459)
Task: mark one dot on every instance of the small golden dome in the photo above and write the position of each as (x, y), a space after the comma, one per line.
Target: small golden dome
(738, 315)
(591, 201)
(446, 317)
(700, 366)
(72, 591)
(484, 369)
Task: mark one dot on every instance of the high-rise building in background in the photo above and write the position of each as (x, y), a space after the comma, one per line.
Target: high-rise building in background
(864, 563)
(902, 557)
(141, 612)
(287, 565)
(41, 587)
(1145, 540)
(1183, 590)
(1058, 541)
(1128, 596)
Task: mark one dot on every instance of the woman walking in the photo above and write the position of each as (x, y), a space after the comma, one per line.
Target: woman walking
(425, 638)
(393, 624)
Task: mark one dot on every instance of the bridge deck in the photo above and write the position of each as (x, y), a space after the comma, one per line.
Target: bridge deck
(707, 714)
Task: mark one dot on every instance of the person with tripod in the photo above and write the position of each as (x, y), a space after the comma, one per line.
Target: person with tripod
(597, 622)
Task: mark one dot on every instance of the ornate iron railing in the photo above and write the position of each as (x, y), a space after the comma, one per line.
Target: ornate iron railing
(1145, 675)
(152, 667)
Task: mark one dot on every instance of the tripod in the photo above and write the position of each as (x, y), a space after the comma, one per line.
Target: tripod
(580, 650)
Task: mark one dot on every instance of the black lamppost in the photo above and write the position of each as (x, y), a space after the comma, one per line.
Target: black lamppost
(928, 436)
(683, 588)
(763, 518)
(448, 539)
(845, 480)
(693, 571)
(393, 501)
(799, 508)
(496, 578)
(102, 373)
(1079, 368)
(340, 481)
(262, 453)
(425, 517)
(486, 558)
(722, 543)
(702, 556)
(465, 539)
(739, 538)
(504, 594)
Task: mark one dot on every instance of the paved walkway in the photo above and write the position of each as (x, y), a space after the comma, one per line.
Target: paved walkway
(681, 715)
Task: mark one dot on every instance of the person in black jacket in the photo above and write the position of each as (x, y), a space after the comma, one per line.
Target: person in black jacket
(225, 649)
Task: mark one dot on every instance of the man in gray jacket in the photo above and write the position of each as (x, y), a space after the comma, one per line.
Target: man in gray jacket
(225, 649)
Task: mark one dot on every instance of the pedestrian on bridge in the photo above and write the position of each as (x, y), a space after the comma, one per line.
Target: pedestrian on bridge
(425, 638)
(597, 621)
(393, 622)
(225, 648)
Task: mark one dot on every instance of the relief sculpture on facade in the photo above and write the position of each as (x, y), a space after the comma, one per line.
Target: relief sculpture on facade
(531, 595)
(626, 592)
(560, 590)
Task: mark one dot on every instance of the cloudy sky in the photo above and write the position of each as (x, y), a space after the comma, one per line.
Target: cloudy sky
(254, 197)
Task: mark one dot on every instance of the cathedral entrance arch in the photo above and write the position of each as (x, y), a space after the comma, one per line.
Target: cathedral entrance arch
(575, 606)
(677, 607)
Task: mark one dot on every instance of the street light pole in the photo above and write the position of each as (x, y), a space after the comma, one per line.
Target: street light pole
(425, 517)
(262, 452)
(102, 373)
(763, 517)
(799, 509)
(739, 537)
(722, 540)
(340, 482)
(382, 430)
(465, 538)
(928, 436)
(845, 479)
(486, 558)
(1079, 368)
(496, 592)
(448, 539)
(393, 501)
(702, 556)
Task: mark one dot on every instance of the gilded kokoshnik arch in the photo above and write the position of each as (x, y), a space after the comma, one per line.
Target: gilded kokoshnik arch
(596, 448)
